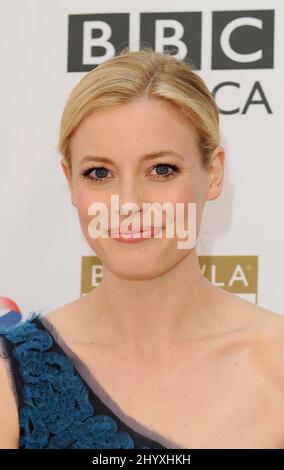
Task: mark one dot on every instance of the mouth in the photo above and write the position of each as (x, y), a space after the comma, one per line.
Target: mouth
(140, 234)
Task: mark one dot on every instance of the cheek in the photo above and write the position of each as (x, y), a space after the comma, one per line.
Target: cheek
(85, 198)
(183, 192)
(192, 191)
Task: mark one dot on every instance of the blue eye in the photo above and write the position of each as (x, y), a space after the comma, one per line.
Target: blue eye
(100, 173)
(162, 170)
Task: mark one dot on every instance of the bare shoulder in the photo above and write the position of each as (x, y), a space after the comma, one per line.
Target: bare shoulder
(271, 343)
(271, 328)
(271, 353)
(244, 315)
(64, 312)
(9, 421)
(264, 325)
(69, 319)
(268, 324)
(261, 329)
(267, 335)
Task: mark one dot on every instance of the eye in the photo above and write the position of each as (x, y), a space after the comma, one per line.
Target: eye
(95, 173)
(98, 174)
(162, 170)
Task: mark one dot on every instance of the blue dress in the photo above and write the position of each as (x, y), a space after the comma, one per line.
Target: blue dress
(57, 409)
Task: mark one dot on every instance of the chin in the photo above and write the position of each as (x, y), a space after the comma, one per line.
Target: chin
(141, 265)
(130, 272)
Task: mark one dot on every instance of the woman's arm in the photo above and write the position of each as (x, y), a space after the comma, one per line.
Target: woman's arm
(9, 421)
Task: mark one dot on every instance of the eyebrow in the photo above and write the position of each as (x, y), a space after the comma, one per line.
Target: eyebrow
(148, 156)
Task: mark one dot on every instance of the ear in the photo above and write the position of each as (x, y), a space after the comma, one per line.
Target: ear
(67, 172)
(216, 173)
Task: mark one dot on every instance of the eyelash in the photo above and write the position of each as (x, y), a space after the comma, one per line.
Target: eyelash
(86, 173)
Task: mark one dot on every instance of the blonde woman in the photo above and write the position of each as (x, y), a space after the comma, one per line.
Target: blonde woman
(156, 356)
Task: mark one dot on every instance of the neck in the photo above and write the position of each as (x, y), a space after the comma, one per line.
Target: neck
(156, 313)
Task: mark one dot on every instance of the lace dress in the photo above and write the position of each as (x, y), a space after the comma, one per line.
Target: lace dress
(57, 408)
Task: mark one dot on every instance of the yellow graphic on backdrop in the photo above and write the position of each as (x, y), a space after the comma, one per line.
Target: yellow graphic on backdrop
(235, 273)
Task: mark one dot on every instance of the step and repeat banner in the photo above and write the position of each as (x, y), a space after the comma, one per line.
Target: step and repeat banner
(46, 47)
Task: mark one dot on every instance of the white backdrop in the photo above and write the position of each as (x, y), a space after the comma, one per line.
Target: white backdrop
(41, 245)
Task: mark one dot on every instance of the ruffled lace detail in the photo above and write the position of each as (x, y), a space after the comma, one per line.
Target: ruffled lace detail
(57, 413)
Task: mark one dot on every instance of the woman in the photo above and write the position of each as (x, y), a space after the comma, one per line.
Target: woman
(156, 356)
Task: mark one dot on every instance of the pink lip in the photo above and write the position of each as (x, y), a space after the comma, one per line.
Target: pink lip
(119, 235)
(127, 232)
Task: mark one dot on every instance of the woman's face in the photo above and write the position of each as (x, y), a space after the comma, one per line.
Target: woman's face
(125, 134)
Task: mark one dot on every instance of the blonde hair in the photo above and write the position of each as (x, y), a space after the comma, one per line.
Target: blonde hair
(143, 74)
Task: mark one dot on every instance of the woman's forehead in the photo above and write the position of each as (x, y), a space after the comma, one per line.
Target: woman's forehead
(108, 133)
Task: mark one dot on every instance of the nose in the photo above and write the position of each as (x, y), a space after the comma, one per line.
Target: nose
(131, 197)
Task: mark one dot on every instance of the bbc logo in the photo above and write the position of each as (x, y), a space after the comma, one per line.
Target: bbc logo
(242, 39)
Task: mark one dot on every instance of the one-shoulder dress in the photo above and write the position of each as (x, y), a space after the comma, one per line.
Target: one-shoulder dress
(57, 408)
